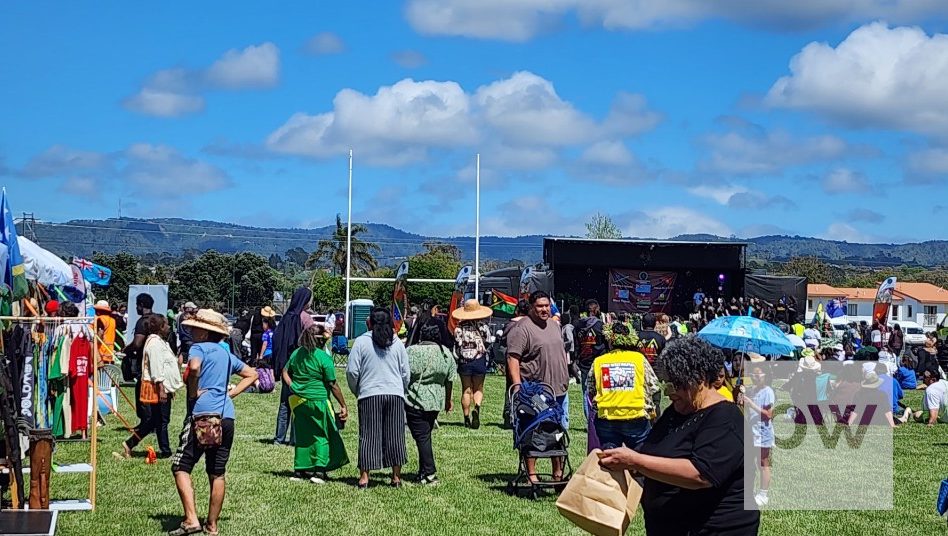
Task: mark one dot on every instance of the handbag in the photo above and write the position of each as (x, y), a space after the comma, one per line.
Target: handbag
(148, 390)
(598, 500)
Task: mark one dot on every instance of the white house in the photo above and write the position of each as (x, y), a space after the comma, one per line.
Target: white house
(922, 303)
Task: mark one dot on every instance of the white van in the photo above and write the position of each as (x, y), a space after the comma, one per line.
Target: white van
(914, 333)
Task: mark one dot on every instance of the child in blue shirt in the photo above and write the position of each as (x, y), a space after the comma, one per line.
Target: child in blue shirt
(906, 373)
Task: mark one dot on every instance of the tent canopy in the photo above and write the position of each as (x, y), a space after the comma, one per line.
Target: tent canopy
(44, 267)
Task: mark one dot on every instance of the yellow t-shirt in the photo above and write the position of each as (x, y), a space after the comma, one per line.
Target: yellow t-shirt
(620, 385)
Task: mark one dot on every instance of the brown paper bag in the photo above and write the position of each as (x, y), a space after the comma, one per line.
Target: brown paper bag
(600, 501)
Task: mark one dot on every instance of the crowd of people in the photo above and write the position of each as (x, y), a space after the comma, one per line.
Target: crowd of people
(688, 447)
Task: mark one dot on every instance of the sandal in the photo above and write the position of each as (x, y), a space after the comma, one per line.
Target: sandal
(184, 530)
(209, 533)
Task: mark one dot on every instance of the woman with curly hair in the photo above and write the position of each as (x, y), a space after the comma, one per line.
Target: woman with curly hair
(693, 460)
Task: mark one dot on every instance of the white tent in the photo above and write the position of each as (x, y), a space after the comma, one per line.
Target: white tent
(43, 266)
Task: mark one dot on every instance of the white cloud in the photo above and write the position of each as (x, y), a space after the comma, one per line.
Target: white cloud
(845, 232)
(740, 197)
(257, 66)
(519, 20)
(720, 194)
(161, 103)
(517, 121)
(668, 222)
(61, 160)
(526, 215)
(609, 152)
(394, 126)
(928, 165)
(609, 162)
(844, 181)
(179, 91)
(892, 78)
(763, 229)
(752, 150)
(409, 59)
(324, 43)
(162, 171)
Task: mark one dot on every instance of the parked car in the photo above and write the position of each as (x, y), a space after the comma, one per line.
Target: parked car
(914, 334)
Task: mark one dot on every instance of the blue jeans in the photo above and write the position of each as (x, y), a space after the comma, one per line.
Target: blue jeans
(617, 433)
(284, 416)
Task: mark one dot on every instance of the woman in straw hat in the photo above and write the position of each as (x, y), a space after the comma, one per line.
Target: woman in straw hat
(472, 337)
(209, 370)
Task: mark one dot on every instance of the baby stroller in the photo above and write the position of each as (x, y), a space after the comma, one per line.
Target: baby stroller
(538, 433)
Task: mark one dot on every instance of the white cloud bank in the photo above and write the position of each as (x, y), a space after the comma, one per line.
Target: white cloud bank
(177, 92)
(520, 20)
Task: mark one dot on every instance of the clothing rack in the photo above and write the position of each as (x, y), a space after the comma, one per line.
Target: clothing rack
(93, 434)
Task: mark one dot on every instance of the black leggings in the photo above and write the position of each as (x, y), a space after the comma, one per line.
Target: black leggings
(154, 418)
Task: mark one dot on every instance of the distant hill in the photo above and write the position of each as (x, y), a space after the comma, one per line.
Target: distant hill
(175, 237)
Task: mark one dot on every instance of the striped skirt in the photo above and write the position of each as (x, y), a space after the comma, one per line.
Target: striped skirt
(381, 432)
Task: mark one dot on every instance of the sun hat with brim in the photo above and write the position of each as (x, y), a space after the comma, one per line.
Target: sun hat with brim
(872, 380)
(471, 311)
(267, 312)
(808, 352)
(208, 320)
(756, 358)
(809, 363)
(190, 306)
(102, 305)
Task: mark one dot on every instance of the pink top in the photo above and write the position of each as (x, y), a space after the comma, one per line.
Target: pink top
(306, 320)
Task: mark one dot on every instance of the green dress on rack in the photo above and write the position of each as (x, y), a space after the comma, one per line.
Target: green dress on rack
(319, 446)
(57, 384)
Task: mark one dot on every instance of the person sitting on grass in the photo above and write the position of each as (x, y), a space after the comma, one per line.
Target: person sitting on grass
(311, 376)
(905, 375)
(935, 401)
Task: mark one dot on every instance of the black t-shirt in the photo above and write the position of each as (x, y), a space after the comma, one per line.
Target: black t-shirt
(651, 344)
(713, 440)
(136, 353)
(590, 341)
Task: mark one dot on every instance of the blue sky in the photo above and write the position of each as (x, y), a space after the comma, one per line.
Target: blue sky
(822, 118)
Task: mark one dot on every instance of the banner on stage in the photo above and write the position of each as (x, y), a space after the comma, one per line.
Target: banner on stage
(639, 291)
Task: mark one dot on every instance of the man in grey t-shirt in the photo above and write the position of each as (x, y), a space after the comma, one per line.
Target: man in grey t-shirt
(535, 352)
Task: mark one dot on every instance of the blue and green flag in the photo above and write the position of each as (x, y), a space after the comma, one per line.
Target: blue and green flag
(15, 274)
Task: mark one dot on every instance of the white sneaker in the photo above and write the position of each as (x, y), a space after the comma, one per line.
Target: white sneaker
(761, 499)
(317, 480)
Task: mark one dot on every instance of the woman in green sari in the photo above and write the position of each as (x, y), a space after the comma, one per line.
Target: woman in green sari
(311, 376)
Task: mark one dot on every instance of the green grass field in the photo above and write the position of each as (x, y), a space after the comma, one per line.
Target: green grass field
(135, 498)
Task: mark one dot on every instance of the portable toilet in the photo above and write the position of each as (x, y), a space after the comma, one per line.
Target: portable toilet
(358, 312)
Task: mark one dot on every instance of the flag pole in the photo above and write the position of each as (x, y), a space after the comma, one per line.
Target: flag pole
(348, 245)
(477, 231)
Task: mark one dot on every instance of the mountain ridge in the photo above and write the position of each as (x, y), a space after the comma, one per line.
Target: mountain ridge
(176, 236)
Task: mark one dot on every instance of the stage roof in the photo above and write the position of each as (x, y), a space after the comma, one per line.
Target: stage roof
(644, 254)
(649, 241)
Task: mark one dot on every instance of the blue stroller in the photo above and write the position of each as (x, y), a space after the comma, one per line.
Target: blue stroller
(539, 433)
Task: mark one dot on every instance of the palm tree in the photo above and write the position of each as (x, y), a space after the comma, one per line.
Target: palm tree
(333, 251)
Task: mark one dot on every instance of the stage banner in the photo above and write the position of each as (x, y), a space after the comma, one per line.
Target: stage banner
(639, 291)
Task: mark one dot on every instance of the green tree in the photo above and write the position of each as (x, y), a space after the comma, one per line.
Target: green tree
(602, 226)
(331, 252)
(328, 291)
(226, 282)
(436, 262)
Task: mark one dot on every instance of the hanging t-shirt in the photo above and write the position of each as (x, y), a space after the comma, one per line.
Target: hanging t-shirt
(80, 353)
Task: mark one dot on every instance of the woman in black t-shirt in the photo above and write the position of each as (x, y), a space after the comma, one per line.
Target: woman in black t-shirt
(693, 460)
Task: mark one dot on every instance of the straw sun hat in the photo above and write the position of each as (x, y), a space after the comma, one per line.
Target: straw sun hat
(208, 320)
(471, 311)
(267, 312)
(103, 305)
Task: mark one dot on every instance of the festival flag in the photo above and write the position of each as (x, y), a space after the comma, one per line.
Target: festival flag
(880, 309)
(457, 297)
(503, 303)
(15, 273)
(820, 316)
(837, 307)
(92, 272)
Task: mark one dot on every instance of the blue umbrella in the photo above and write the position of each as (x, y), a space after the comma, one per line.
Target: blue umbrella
(746, 334)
